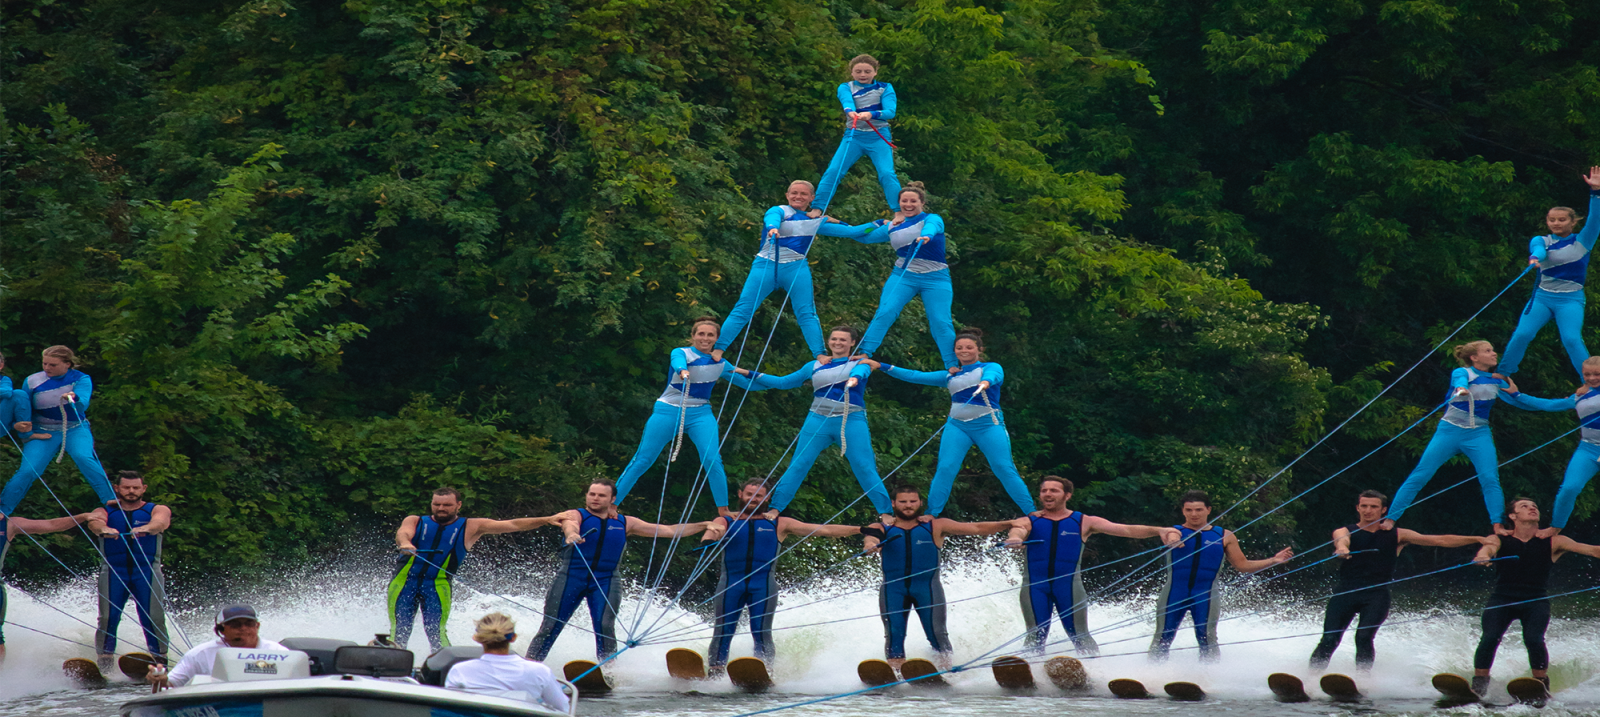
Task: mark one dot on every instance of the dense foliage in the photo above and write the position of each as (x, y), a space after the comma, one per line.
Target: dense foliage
(321, 257)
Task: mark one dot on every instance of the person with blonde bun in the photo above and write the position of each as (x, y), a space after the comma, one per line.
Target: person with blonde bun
(502, 674)
(917, 238)
(58, 397)
(1465, 429)
(1562, 257)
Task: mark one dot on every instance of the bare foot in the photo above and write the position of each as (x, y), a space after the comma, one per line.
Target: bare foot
(823, 358)
(814, 213)
(716, 354)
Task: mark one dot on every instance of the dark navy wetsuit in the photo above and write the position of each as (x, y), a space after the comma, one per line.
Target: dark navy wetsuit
(587, 574)
(422, 581)
(1363, 590)
(1521, 594)
(1191, 590)
(132, 568)
(1051, 582)
(911, 581)
(749, 548)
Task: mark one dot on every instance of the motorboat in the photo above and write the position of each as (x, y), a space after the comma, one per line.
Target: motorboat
(319, 676)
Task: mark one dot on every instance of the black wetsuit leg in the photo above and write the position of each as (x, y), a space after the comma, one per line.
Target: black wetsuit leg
(1497, 618)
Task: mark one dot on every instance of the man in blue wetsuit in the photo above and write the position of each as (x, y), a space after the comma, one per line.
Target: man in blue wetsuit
(596, 537)
(1192, 569)
(433, 547)
(747, 553)
(909, 547)
(1054, 538)
(129, 531)
(10, 528)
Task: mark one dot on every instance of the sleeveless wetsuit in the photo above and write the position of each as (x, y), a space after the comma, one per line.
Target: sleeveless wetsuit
(1050, 582)
(1362, 591)
(911, 582)
(422, 581)
(1520, 594)
(587, 575)
(1191, 589)
(132, 568)
(749, 548)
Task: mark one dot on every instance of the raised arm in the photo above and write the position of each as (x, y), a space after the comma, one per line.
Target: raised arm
(926, 378)
(1412, 537)
(790, 526)
(1591, 225)
(1236, 558)
(403, 536)
(1561, 545)
(1095, 524)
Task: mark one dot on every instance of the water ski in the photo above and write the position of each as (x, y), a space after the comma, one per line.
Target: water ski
(876, 673)
(1067, 673)
(1528, 691)
(1128, 689)
(928, 673)
(1340, 687)
(136, 665)
(685, 664)
(593, 682)
(749, 674)
(1013, 673)
(84, 673)
(1455, 689)
(1287, 687)
(1184, 691)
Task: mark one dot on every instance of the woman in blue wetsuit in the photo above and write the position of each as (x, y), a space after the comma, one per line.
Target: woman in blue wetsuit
(58, 398)
(686, 403)
(868, 106)
(786, 237)
(919, 270)
(839, 386)
(1465, 429)
(1563, 261)
(1585, 461)
(975, 419)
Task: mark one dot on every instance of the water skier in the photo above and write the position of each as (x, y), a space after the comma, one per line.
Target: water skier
(1563, 261)
(868, 106)
(917, 238)
(58, 396)
(129, 531)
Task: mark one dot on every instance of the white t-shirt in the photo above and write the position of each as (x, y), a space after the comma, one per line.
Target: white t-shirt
(493, 674)
(198, 661)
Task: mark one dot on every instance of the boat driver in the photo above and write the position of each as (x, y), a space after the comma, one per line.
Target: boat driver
(237, 626)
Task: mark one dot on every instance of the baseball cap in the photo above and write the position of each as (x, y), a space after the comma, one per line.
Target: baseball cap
(235, 612)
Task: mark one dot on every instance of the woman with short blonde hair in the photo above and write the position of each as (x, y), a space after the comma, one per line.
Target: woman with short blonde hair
(502, 674)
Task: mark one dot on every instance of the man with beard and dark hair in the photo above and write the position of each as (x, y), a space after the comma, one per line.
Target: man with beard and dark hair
(910, 549)
(749, 549)
(432, 548)
(129, 531)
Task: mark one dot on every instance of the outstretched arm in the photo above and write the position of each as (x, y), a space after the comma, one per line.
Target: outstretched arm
(1562, 545)
(926, 378)
(709, 536)
(478, 527)
(846, 231)
(651, 530)
(790, 526)
(17, 526)
(947, 526)
(762, 381)
(1412, 537)
(1096, 524)
(1534, 403)
(1230, 544)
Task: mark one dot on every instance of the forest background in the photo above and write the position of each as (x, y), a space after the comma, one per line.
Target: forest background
(320, 258)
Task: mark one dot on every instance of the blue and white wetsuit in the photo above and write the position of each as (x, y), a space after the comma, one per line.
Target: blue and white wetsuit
(1563, 266)
(588, 574)
(975, 419)
(749, 548)
(1585, 461)
(879, 99)
(911, 582)
(132, 568)
(700, 424)
(919, 270)
(781, 264)
(422, 580)
(1051, 582)
(63, 421)
(1465, 429)
(1191, 590)
(14, 407)
(831, 403)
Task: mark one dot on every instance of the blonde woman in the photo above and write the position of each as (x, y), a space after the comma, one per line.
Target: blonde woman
(58, 398)
(1465, 428)
(501, 673)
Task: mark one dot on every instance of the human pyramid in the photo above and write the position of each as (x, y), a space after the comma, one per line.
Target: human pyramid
(46, 418)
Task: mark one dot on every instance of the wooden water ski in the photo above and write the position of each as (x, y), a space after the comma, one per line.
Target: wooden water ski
(1287, 687)
(685, 664)
(594, 682)
(1128, 689)
(1067, 673)
(922, 673)
(1455, 689)
(749, 674)
(1528, 691)
(84, 673)
(1184, 691)
(875, 673)
(1013, 673)
(136, 665)
(1340, 687)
